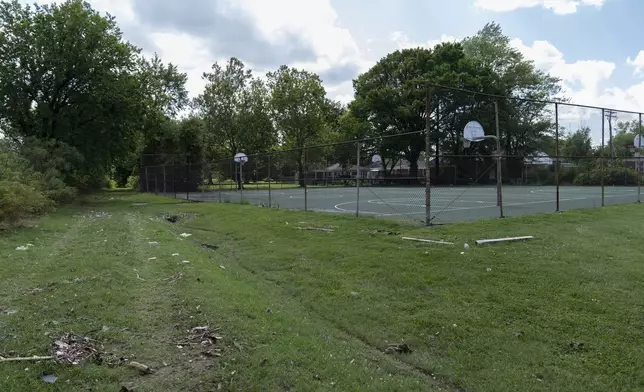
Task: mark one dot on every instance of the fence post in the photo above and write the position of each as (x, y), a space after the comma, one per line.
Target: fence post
(601, 157)
(269, 181)
(557, 151)
(174, 178)
(428, 173)
(358, 179)
(146, 180)
(187, 181)
(164, 181)
(499, 180)
(306, 169)
(639, 159)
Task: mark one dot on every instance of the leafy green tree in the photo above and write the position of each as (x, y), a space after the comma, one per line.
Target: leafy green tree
(577, 147)
(235, 108)
(299, 109)
(66, 74)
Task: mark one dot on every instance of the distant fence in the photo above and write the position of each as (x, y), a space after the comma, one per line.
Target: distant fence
(538, 168)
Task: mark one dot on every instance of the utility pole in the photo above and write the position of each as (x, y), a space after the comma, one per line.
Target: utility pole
(610, 116)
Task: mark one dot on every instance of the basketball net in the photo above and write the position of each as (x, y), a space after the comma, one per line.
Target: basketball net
(467, 143)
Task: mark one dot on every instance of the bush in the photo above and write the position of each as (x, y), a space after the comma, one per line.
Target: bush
(18, 200)
(133, 181)
(612, 176)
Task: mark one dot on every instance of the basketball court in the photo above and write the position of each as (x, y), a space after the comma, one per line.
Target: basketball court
(448, 204)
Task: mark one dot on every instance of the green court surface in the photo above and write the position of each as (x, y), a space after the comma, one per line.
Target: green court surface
(447, 204)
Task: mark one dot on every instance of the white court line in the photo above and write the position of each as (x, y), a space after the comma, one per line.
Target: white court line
(450, 209)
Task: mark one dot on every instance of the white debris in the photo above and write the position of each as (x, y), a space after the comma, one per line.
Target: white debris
(175, 254)
(30, 245)
(153, 243)
(489, 269)
(185, 235)
(222, 267)
(466, 246)
(152, 258)
(185, 262)
(462, 253)
(21, 248)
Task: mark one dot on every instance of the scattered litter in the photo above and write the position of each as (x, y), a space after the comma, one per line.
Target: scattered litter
(428, 241)
(175, 254)
(499, 240)
(222, 267)
(269, 311)
(204, 337)
(174, 278)
(208, 246)
(8, 312)
(137, 274)
(21, 248)
(105, 328)
(489, 269)
(153, 243)
(95, 215)
(34, 358)
(143, 369)
(384, 232)
(355, 293)
(185, 262)
(466, 246)
(316, 229)
(30, 245)
(185, 235)
(74, 349)
(172, 219)
(49, 378)
(462, 253)
(398, 349)
(140, 204)
(152, 258)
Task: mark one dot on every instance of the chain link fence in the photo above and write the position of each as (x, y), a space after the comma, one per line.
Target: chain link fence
(536, 157)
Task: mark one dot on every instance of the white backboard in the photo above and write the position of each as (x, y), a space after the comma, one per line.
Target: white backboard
(240, 157)
(473, 131)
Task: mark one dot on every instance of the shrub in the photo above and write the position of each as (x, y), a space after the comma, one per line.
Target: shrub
(133, 181)
(612, 176)
(19, 200)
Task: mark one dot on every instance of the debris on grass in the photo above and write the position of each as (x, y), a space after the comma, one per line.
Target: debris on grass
(379, 231)
(402, 348)
(140, 204)
(222, 267)
(20, 359)
(186, 262)
(7, 312)
(208, 246)
(153, 243)
(75, 349)
(316, 229)
(175, 254)
(142, 368)
(184, 235)
(21, 248)
(95, 215)
(174, 278)
(152, 258)
(500, 240)
(204, 337)
(48, 378)
(428, 241)
(137, 275)
(466, 246)
(355, 293)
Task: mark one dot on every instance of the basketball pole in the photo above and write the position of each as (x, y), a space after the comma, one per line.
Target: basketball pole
(601, 158)
(428, 145)
(499, 180)
(557, 150)
(639, 159)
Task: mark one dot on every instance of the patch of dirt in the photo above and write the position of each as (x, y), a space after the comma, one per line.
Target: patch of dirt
(398, 349)
(209, 247)
(75, 349)
(176, 217)
(383, 232)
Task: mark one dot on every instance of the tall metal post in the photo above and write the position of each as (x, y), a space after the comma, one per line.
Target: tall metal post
(557, 151)
(639, 160)
(602, 155)
(146, 180)
(306, 169)
(499, 180)
(358, 180)
(428, 148)
(241, 181)
(269, 180)
(164, 181)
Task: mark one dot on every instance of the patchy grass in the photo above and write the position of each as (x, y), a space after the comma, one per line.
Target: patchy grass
(315, 310)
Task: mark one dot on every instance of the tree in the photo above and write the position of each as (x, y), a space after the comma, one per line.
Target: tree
(523, 122)
(578, 146)
(234, 106)
(65, 74)
(299, 110)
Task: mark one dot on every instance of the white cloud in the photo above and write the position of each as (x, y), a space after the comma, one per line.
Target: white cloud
(637, 63)
(402, 41)
(560, 7)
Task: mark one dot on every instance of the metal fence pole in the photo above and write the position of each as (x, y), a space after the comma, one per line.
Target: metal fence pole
(269, 181)
(164, 182)
(499, 180)
(358, 179)
(428, 173)
(601, 157)
(557, 162)
(146, 179)
(241, 181)
(639, 159)
(306, 169)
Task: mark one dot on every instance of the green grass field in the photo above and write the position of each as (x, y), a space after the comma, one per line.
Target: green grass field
(303, 310)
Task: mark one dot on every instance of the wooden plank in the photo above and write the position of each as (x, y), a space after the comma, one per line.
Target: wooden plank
(428, 241)
(499, 240)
